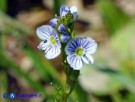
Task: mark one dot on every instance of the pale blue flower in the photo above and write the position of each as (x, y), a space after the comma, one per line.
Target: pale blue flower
(50, 41)
(53, 22)
(65, 37)
(79, 51)
(65, 9)
(61, 28)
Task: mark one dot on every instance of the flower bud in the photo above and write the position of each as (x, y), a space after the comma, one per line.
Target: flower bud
(53, 22)
(69, 17)
(61, 28)
(65, 37)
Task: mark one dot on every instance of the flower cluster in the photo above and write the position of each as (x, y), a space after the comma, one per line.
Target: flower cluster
(60, 30)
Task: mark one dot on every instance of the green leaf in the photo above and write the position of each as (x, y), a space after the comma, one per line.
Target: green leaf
(130, 98)
(80, 92)
(127, 81)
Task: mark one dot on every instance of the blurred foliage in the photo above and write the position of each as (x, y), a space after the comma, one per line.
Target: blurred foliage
(43, 67)
(112, 15)
(116, 65)
(6, 62)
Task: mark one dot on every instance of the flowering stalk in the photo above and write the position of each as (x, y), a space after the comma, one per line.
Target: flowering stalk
(71, 78)
(75, 50)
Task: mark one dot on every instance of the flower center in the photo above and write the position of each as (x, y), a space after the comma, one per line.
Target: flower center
(79, 51)
(52, 40)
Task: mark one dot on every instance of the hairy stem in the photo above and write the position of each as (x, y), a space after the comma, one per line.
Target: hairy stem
(71, 78)
(71, 75)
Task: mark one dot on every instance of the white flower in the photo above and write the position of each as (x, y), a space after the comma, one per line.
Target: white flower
(65, 9)
(50, 41)
(79, 51)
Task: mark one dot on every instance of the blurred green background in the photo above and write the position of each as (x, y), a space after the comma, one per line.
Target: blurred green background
(24, 69)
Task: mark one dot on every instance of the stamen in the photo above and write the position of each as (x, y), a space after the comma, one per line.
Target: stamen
(79, 51)
(45, 41)
(52, 40)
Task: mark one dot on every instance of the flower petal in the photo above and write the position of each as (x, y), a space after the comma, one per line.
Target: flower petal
(52, 52)
(88, 59)
(75, 62)
(58, 43)
(52, 32)
(70, 48)
(64, 10)
(89, 45)
(73, 9)
(78, 41)
(43, 32)
(69, 51)
(43, 45)
(72, 45)
(75, 14)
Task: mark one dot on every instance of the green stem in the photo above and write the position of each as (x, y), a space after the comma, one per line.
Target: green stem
(71, 74)
(71, 78)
